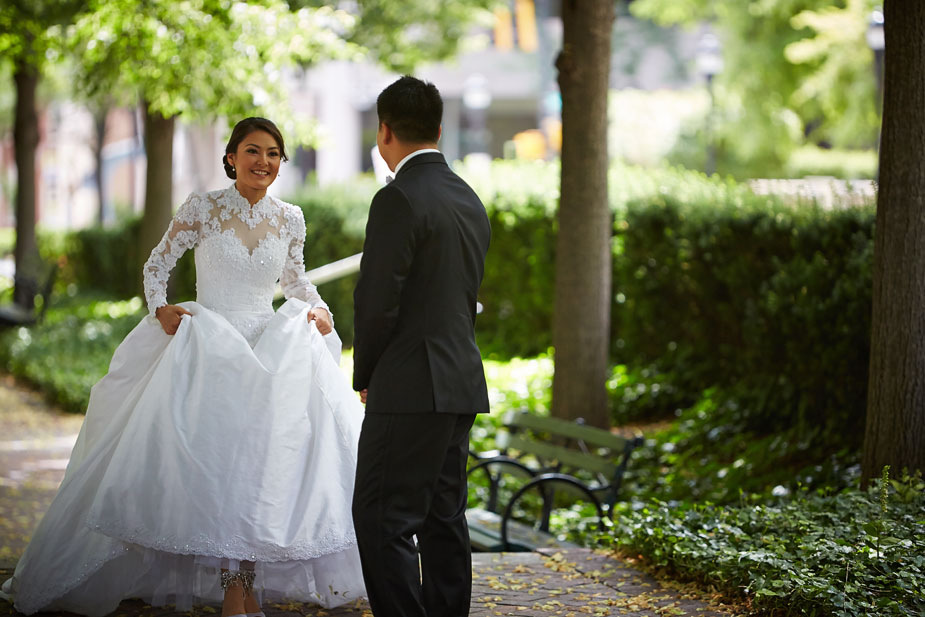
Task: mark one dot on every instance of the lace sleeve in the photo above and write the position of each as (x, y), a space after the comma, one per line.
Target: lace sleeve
(294, 281)
(182, 234)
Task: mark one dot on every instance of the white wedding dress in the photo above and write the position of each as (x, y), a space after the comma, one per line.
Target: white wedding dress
(232, 441)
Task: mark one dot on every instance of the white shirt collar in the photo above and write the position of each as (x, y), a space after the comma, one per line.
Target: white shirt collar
(412, 155)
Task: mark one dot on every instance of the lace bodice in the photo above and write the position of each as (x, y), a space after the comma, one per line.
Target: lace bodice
(241, 253)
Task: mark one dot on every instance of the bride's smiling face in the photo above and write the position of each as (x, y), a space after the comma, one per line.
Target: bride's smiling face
(256, 161)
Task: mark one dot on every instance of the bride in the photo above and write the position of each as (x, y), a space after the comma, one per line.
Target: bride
(217, 457)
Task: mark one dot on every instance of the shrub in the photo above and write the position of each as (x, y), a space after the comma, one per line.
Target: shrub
(70, 350)
(853, 553)
(517, 289)
(707, 455)
(768, 300)
(643, 393)
(105, 259)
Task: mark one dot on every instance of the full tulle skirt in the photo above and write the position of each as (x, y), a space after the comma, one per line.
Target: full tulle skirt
(200, 452)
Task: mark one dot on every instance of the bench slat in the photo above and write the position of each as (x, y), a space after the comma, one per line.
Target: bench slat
(557, 426)
(571, 458)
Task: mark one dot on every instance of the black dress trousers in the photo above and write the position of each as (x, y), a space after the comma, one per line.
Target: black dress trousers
(411, 480)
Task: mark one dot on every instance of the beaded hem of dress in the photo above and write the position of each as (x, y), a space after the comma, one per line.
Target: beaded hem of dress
(238, 550)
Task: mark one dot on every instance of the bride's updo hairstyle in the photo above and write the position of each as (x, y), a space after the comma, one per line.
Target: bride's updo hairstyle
(244, 128)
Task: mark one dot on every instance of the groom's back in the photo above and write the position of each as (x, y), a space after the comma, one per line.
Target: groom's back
(452, 238)
(432, 362)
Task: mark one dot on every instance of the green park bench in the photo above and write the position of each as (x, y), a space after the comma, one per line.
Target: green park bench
(548, 461)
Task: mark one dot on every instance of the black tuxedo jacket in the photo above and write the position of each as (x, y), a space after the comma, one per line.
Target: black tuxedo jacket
(414, 320)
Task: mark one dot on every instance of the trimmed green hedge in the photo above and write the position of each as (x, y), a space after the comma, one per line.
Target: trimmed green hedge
(770, 301)
(105, 259)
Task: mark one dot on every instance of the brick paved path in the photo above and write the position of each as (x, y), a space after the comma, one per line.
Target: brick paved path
(568, 584)
(35, 441)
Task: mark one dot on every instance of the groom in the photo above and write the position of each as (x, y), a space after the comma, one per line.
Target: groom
(417, 366)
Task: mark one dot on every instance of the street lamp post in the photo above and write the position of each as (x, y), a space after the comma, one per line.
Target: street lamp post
(877, 43)
(709, 65)
(476, 99)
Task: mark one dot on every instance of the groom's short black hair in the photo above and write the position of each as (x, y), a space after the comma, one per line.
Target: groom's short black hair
(413, 110)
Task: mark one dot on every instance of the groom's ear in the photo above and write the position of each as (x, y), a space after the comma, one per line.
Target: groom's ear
(439, 132)
(387, 134)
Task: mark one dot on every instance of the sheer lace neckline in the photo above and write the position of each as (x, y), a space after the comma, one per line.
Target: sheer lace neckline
(235, 201)
(232, 204)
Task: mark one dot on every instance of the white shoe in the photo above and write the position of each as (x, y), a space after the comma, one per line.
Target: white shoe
(6, 590)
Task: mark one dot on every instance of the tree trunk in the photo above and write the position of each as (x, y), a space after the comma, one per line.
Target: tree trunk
(99, 124)
(581, 327)
(26, 141)
(895, 432)
(158, 180)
